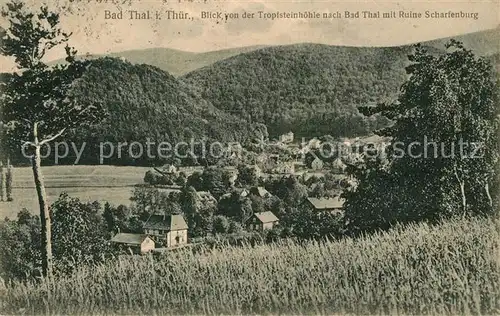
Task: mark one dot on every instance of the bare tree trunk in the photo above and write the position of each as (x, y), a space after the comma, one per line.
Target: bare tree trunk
(2, 181)
(462, 192)
(464, 199)
(44, 210)
(488, 195)
(8, 181)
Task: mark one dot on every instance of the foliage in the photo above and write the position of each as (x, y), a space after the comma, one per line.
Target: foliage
(247, 175)
(220, 225)
(121, 219)
(288, 189)
(198, 215)
(448, 100)
(38, 96)
(20, 246)
(215, 180)
(147, 201)
(195, 180)
(235, 227)
(309, 89)
(452, 267)
(304, 222)
(37, 103)
(79, 234)
(235, 207)
(145, 104)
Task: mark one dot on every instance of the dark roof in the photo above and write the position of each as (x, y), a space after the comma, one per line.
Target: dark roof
(266, 217)
(326, 203)
(166, 222)
(260, 191)
(126, 238)
(206, 195)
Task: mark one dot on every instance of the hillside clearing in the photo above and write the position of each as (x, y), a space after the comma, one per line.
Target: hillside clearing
(452, 268)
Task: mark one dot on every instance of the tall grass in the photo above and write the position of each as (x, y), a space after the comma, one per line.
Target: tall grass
(452, 268)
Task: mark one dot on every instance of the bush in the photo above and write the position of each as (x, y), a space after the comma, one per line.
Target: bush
(220, 224)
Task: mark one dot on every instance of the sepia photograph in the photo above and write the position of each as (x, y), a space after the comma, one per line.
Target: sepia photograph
(216, 157)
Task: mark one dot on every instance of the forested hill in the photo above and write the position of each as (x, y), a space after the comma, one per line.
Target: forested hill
(142, 101)
(310, 89)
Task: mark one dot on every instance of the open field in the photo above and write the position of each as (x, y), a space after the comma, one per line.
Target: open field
(452, 268)
(89, 183)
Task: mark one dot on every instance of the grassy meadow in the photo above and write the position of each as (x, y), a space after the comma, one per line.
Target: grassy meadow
(452, 268)
(88, 183)
(101, 183)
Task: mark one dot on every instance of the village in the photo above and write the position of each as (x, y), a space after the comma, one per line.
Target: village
(279, 159)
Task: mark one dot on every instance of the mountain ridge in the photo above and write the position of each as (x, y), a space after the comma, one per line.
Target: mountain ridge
(178, 62)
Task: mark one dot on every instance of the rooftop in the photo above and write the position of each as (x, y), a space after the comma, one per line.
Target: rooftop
(260, 191)
(266, 217)
(166, 222)
(205, 195)
(131, 239)
(326, 203)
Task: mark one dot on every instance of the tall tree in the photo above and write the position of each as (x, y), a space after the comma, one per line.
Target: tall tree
(2, 181)
(247, 175)
(9, 177)
(444, 148)
(37, 103)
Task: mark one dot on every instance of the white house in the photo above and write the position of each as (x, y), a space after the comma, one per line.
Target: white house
(138, 243)
(170, 229)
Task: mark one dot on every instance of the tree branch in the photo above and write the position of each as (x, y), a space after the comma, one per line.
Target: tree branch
(47, 140)
(26, 142)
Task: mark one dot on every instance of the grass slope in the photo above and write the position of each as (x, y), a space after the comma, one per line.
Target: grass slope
(452, 268)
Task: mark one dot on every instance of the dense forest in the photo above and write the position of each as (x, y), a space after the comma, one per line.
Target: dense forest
(310, 89)
(141, 102)
(313, 89)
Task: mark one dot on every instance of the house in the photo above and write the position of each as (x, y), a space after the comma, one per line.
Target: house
(243, 192)
(333, 205)
(167, 169)
(262, 221)
(259, 191)
(138, 243)
(170, 229)
(316, 164)
(338, 165)
(233, 174)
(286, 138)
(369, 143)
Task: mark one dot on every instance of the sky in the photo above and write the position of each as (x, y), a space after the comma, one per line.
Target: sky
(94, 34)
